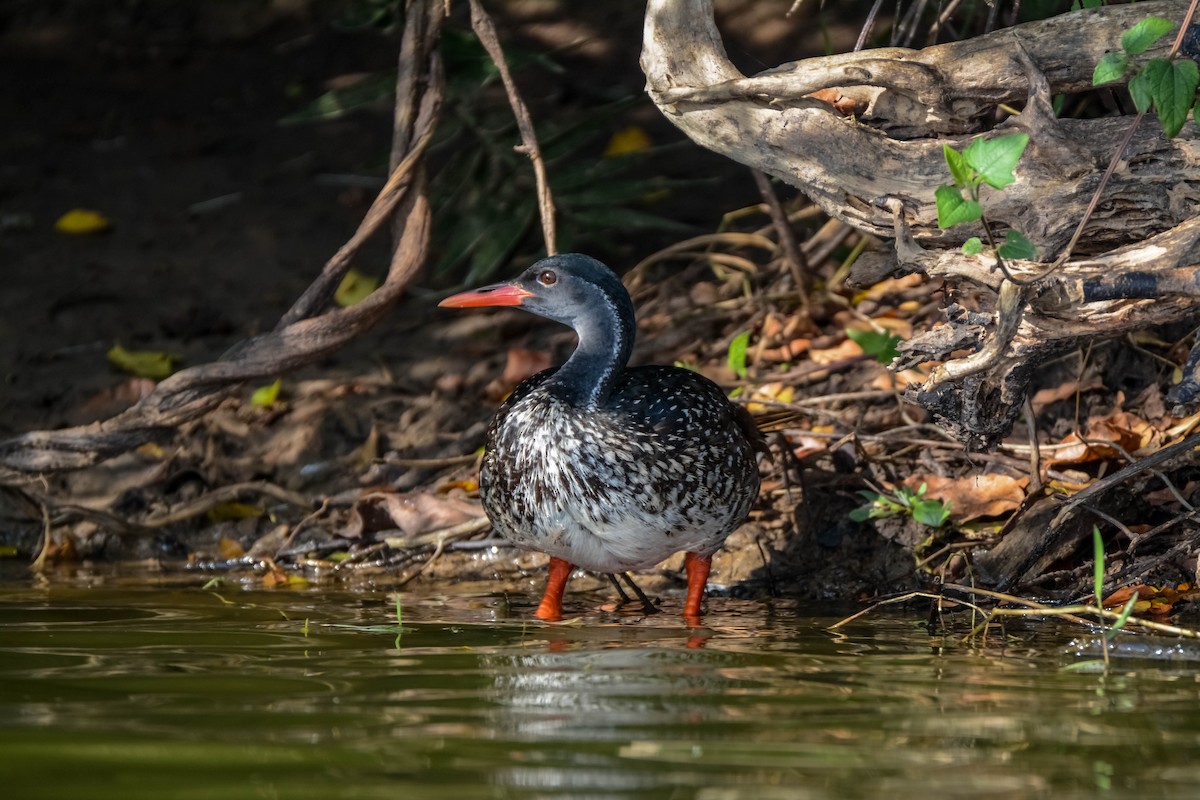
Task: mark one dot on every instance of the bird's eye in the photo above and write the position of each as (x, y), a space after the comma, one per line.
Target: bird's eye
(547, 277)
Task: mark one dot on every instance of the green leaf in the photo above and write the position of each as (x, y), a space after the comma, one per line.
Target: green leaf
(1139, 91)
(880, 344)
(1172, 86)
(953, 209)
(1111, 68)
(737, 354)
(266, 396)
(354, 288)
(972, 246)
(1122, 618)
(1138, 39)
(995, 159)
(958, 167)
(143, 363)
(1016, 246)
(1098, 566)
(933, 513)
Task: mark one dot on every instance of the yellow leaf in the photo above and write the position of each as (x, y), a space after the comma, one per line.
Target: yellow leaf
(143, 363)
(80, 221)
(354, 288)
(467, 485)
(223, 512)
(627, 140)
(266, 396)
(150, 450)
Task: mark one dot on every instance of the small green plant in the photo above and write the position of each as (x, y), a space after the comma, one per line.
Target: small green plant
(989, 161)
(879, 344)
(1106, 635)
(904, 502)
(1167, 85)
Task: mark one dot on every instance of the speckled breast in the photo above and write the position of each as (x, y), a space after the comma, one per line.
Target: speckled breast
(623, 486)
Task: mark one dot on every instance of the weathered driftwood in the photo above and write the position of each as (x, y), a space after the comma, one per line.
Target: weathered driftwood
(878, 170)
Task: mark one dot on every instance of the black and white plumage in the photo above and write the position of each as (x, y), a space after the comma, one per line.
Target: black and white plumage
(603, 466)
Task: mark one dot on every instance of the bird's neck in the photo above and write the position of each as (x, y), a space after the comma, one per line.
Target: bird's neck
(605, 342)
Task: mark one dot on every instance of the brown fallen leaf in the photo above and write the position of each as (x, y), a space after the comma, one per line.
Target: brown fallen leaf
(1065, 390)
(411, 513)
(1154, 600)
(840, 352)
(973, 496)
(1131, 432)
(230, 549)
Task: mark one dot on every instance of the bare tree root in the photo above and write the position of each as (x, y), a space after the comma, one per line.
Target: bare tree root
(309, 330)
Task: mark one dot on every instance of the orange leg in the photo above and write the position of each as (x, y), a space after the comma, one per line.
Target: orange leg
(697, 574)
(550, 609)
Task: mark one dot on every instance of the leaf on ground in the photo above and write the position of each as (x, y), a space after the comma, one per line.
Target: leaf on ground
(278, 578)
(1131, 432)
(468, 485)
(1153, 600)
(775, 391)
(224, 512)
(411, 513)
(844, 351)
(627, 140)
(266, 547)
(803, 444)
(354, 288)
(230, 549)
(266, 396)
(890, 288)
(737, 354)
(887, 381)
(972, 246)
(973, 496)
(1066, 390)
(881, 345)
(81, 222)
(143, 363)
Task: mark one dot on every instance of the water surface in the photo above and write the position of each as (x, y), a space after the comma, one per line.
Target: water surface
(178, 692)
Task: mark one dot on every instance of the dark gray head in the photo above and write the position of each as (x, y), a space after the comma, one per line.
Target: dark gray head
(571, 288)
(578, 291)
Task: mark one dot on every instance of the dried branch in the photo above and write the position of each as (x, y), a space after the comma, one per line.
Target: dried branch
(481, 23)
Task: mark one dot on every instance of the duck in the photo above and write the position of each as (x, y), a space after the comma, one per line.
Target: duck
(606, 467)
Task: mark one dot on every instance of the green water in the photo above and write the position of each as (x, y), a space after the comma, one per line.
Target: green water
(109, 692)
